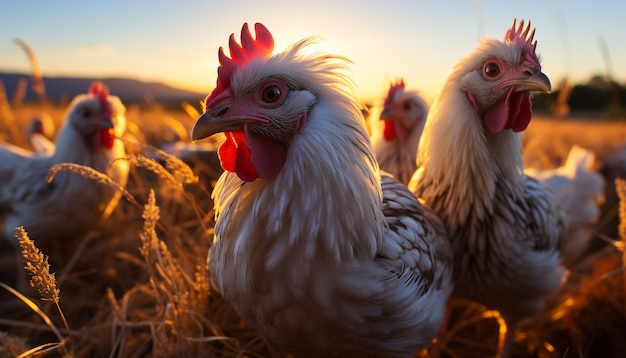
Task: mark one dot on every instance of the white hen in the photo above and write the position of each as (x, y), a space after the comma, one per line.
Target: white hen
(505, 227)
(313, 246)
(71, 204)
(396, 130)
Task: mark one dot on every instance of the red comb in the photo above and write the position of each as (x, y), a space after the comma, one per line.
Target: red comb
(101, 92)
(521, 36)
(261, 46)
(393, 89)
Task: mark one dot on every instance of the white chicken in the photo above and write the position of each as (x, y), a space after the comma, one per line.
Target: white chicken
(313, 246)
(579, 192)
(396, 129)
(505, 227)
(71, 204)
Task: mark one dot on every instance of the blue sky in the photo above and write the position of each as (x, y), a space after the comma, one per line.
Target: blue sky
(176, 42)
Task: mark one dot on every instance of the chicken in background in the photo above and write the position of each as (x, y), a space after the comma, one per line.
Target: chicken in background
(71, 205)
(396, 127)
(507, 229)
(579, 191)
(39, 131)
(314, 246)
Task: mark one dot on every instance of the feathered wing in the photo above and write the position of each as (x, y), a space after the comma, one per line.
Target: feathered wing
(11, 158)
(416, 245)
(579, 192)
(41, 144)
(388, 306)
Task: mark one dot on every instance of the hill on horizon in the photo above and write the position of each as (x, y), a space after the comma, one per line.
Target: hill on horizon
(63, 89)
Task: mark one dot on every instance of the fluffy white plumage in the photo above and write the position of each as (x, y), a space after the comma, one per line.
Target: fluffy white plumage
(326, 256)
(71, 204)
(505, 227)
(579, 191)
(396, 127)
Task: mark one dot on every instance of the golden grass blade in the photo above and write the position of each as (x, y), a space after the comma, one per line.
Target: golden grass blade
(38, 86)
(33, 306)
(44, 348)
(6, 114)
(20, 94)
(190, 110)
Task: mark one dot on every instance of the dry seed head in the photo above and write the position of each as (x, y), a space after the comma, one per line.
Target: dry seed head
(38, 267)
(620, 187)
(150, 217)
(172, 163)
(91, 173)
(153, 166)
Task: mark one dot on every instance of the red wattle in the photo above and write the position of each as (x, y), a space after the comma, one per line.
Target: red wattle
(401, 132)
(267, 156)
(235, 157)
(251, 156)
(107, 136)
(389, 131)
(524, 112)
(497, 117)
(514, 113)
(101, 139)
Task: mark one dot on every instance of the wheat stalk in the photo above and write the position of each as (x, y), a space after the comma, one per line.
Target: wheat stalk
(152, 165)
(91, 173)
(38, 268)
(40, 277)
(176, 165)
(6, 113)
(37, 85)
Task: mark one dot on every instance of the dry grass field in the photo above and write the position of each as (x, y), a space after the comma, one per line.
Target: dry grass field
(137, 285)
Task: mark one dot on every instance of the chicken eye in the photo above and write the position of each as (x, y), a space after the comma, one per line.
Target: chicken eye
(86, 112)
(407, 106)
(491, 69)
(270, 94)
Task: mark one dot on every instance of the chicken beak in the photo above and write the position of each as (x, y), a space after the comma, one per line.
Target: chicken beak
(207, 125)
(387, 114)
(535, 82)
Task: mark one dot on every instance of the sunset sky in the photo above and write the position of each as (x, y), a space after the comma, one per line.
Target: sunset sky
(176, 42)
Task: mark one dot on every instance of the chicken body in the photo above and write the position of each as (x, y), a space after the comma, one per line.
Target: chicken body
(579, 191)
(396, 128)
(313, 246)
(505, 227)
(71, 204)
